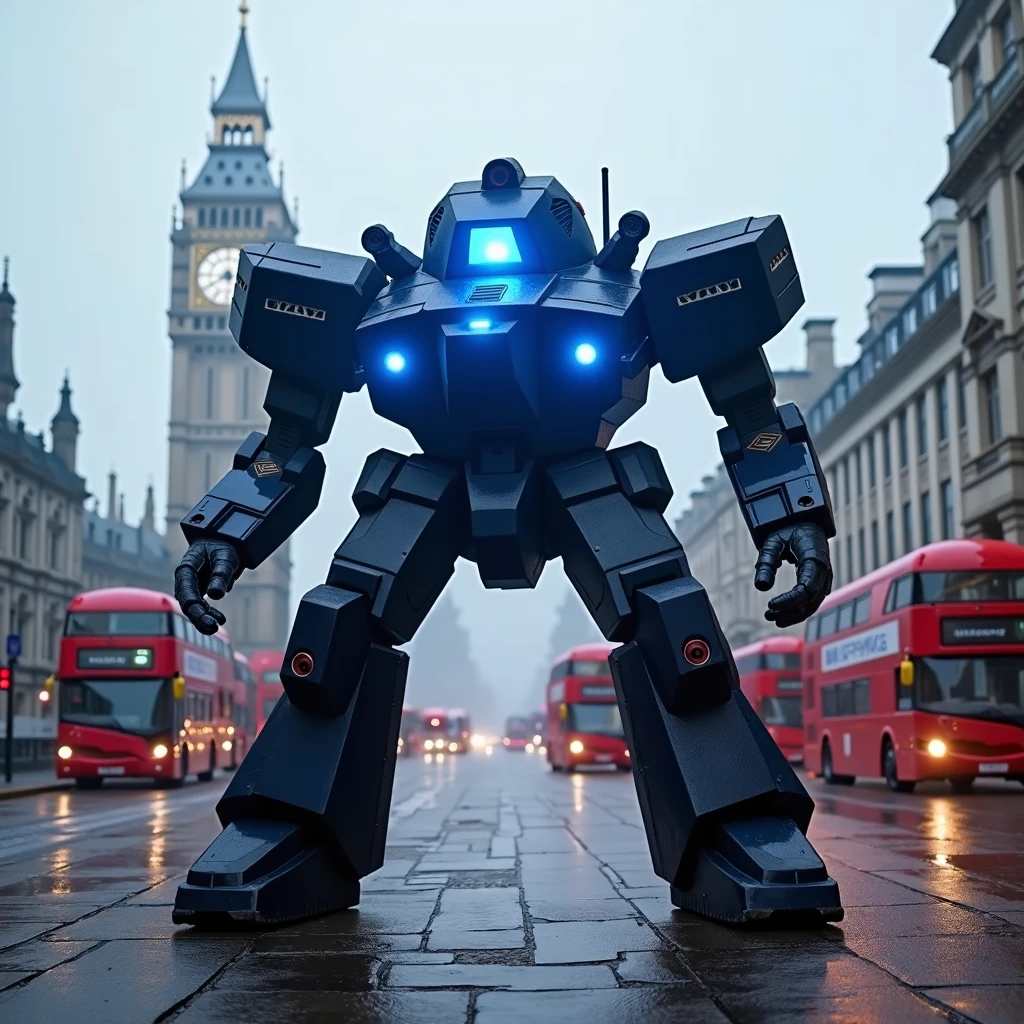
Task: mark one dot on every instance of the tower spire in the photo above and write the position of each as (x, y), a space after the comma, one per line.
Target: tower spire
(64, 427)
(243, 10)
(8, 381)
(7, 264)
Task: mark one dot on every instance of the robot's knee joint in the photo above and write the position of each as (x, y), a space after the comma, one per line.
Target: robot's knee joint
(327, 650)
(683, 646)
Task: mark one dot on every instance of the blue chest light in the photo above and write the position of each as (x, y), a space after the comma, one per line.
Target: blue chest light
(493, 245)
(395, 362)
(585, 353)
(479, 325)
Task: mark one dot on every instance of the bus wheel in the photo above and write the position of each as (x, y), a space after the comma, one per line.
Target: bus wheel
(892, 779)
(962, 784)
(559, 768)
(208, 774)
(89, 782)
(830, 777)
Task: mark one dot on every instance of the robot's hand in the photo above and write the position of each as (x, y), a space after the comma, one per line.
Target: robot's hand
(806, 546)
(210, 566)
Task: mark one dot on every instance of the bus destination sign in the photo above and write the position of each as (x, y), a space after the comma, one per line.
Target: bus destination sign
(982, 631)
(121, 658)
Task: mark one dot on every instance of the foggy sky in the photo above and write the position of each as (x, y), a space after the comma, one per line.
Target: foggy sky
(706, 110)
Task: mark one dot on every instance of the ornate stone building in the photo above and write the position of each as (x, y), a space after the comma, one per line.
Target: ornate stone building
(981, 46)
(216, 390)
(718, 546)
(41, 499)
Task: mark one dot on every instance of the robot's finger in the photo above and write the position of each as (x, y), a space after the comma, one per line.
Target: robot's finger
(186, 586)
(222, 573)
(217, 615)
(768, 561)
(201, 616)
(788, 603)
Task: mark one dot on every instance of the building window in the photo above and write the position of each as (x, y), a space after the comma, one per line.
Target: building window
(259, 216)
(886, 454)
(926, 518)
(849, 559)
(846, 480)
(942, 404)
(901, 426)
(922, 426)
(910, 321)
(197, 323)
(908, 528)
(209, 392)
(871, 462)
(236, 215)
(202, 216)
(947, 509)
(223, 216)
(862, 551)
(961, 400)
(983, 247)
(890, 536)
(876, 551)
(860, 478)
(892, 341)
(248, 216)
(207, 473)
(972, 79)
(213, 216)
(1006, 40)
(993, 415)
(930, 300)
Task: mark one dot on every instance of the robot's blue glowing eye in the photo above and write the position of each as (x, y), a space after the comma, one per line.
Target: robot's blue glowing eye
(585, 353)
(395, 362)
(493, 245)
(479, 325)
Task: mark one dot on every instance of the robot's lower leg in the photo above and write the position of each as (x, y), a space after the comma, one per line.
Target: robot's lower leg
(724, 812)
(305, 816)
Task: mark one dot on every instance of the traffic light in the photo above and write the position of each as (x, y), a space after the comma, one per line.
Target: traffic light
(5, 678)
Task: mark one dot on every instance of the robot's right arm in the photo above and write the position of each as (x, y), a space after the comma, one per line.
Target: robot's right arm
(295, 310)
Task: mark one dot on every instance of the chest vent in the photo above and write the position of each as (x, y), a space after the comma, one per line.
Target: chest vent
(432, 226)
(487, 293)
(562, 210)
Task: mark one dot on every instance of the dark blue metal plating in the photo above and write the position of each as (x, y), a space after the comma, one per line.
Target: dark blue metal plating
(512, 353)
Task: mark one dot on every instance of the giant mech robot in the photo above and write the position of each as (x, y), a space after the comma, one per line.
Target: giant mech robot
(512, 351)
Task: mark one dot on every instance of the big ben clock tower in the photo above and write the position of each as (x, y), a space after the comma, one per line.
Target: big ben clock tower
(216, 390)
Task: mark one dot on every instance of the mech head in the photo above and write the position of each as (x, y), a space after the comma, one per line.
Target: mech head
(506, 224)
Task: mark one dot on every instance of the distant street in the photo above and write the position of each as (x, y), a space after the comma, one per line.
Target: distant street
(510, 893)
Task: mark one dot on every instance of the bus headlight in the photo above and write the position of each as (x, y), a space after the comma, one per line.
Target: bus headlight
(428, 744)
(226, 745)
(160, 750)
(537, 740)
(936, 748)
(64, 753)
(231, 730)
(453, 747)
(529, 748)
(576, 747)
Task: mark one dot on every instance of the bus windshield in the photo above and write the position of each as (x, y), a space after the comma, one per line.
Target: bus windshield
(603, 719)
(118, 624)
(272, 676)
(782, 711)
(937, 587)
(589, 668)
(141, 706)
(972, 687)
(773, 662)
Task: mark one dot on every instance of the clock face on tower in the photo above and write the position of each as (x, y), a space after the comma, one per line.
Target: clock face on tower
(216, 273)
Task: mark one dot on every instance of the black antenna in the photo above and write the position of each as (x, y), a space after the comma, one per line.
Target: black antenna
(604, 204)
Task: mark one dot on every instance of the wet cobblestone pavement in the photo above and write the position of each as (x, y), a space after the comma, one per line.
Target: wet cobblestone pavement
(511, 894)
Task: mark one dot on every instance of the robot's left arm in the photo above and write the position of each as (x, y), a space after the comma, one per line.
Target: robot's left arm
(712, 299)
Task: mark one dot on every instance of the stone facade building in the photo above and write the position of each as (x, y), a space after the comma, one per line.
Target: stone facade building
(717, 543)
(216, 390)
(981, 46)
(41, 498)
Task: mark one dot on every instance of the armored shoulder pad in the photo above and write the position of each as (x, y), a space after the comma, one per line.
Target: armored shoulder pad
(713, 295)
(295, 310)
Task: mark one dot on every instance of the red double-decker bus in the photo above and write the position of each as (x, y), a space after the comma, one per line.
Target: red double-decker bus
(434, 729)
(143, 694)
(266, 670)
(244, 706)
(770, 679)
(583, 722)
(410, 733)
(916, 671)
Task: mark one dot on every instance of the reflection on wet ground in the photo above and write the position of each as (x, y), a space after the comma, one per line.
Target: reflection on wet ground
(512, 894)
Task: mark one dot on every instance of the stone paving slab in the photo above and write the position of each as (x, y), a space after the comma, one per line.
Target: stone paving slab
(512, 894)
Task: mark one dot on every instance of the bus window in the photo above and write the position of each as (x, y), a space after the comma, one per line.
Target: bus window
(117, 624)
(560, 671)
(862, 609)
(812, 628)
(590, 668)
(749, 663)
(179, 626)
(775, 661)
(828, 623)
(862, 697)
(782, 711)
(845, 616)
(903, 592)
(936, 587)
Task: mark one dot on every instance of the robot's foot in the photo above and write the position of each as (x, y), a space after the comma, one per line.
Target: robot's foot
(258, 873)
(759, 870)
